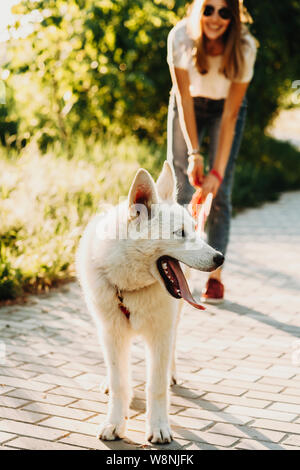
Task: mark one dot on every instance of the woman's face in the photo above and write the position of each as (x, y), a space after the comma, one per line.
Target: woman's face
(214, 26)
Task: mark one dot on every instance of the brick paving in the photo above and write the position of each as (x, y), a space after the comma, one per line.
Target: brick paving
(238, 364)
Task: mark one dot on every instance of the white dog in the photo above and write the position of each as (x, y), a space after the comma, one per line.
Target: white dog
(131, 278)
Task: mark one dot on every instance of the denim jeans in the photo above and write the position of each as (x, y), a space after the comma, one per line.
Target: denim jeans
(208, 117)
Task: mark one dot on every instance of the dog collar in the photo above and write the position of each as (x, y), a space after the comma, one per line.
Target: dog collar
(121, 305)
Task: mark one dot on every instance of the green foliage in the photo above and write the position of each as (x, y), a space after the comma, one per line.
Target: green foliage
(10, 278)
(9, 121)
(277, 169)
(98, 65)
(276, 26)
(95, 65)
(46, 201)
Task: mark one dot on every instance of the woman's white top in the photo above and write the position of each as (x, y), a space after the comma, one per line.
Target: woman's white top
(213, 84)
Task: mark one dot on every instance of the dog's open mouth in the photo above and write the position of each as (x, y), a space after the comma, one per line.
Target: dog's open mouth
(174, 280)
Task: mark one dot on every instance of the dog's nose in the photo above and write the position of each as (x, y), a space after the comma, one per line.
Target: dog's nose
(218, 259)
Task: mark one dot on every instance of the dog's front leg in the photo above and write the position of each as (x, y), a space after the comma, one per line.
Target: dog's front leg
(116, 351)
(159, 364)
(174, 378)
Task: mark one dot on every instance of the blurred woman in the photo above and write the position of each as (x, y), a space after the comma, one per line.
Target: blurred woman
(211, 56)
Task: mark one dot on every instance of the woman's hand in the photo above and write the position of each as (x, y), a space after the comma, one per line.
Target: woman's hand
(210, 184)
(195, 170)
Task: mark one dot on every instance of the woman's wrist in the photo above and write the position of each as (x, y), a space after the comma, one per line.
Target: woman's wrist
(194, 151)
(217, 175)
(195, 157)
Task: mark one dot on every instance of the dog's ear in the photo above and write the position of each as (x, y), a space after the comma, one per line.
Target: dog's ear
(142, 194)
(166, 183)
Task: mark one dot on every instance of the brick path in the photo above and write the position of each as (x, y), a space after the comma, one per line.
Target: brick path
(239, 364)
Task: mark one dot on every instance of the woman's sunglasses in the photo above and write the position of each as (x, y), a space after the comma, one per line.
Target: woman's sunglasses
(224, 12)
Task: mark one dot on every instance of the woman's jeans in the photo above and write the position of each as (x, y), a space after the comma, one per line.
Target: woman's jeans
(208, 117)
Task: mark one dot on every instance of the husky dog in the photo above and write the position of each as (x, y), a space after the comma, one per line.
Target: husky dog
(128, 266)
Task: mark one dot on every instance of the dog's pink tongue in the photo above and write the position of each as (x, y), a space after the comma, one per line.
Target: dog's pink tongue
(184, 288)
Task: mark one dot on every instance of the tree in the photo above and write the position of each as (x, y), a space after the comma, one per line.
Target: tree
(92, 66)
(100, 65)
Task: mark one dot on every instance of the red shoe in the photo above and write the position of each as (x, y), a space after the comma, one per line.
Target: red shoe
(213, 293)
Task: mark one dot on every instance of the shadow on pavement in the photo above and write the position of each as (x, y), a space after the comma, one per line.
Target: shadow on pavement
(252, 433)
(263, 318)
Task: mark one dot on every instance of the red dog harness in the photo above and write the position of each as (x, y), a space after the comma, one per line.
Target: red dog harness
(121, 305)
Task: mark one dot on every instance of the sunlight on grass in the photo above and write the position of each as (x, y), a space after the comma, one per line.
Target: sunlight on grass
(45, 201)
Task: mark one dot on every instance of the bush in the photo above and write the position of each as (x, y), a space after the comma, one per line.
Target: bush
(46, 201)
(100, 65)
(275, 169)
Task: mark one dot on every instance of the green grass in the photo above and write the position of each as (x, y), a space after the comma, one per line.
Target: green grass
(46, 200)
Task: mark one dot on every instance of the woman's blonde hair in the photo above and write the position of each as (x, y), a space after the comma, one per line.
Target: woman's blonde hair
(234, 38)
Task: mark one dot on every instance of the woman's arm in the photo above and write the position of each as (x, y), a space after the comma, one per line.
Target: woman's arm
(229, 117)
(187, 119)
(181, 82)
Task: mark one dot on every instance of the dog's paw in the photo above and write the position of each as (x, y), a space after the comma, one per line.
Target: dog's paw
(104, 387)
(111, 431)
(159, 434)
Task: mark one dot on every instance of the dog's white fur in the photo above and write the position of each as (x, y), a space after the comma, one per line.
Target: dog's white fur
(105, 261)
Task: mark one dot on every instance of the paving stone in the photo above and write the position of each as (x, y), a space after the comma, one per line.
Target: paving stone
(253, 385)
(29, 384)
(206, 437)
(87, 442)
(5, 389)
(30, 443)
(246, 432)
(220, 388)
(293, 440)
(237, 362)
(276, 397)
(293, 428)
(96, 407)
(45, 397)
(80, 393)
(217, 416)
(5, 436)
(251, 444)
(21, 415)
(12, 371)
(12, 402)
(259, 413)
(243, 401)
(292, 391)
(56, 380)
(62, 411)
(70, 425)
(288, 407)
(24, 429)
